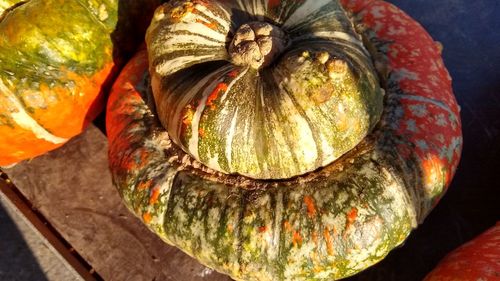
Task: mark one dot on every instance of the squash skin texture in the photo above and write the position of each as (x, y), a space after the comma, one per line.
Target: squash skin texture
(317, 100)
(478, 259)
(325, 225)
(56, 58)
(6, 4)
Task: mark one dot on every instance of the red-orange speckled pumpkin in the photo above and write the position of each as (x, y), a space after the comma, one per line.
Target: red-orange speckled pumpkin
(55, 57)
(259, 222)
(476, 260)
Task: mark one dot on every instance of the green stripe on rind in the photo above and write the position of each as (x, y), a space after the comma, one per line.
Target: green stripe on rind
(276, 123)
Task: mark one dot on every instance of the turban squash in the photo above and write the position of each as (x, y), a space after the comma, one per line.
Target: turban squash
(55, 59)
(227, 133)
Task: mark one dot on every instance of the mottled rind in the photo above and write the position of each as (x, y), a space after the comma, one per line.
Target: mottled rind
(55, 58)
(326, 225)
(263, 119)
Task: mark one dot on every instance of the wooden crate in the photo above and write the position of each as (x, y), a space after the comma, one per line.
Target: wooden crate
(68, 196)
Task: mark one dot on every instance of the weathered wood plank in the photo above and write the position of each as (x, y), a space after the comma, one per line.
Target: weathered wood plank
(72, 188)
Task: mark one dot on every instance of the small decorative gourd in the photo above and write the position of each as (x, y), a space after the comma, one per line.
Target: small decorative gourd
(56, 58)
(273, 92)
(265, 146)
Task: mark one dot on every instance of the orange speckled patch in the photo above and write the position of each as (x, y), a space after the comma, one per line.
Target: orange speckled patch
(311, 209)
(144, 185)
(210, 25)
(147, 217)
(155, 194)
(221, 87)
(233, 73)
(351, 217)
(296, 238)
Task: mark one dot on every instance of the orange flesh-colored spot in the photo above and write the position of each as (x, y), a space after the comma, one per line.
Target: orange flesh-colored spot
(351, 217)
(215, 93)
(146, 217)
(139, 160)
(144, 185)
(154, 196)
(329, 241)
(311, 210)
(263, 228)
(201, 132)
(296, 239)
(432, 170)
(233, 73)
(210, 25)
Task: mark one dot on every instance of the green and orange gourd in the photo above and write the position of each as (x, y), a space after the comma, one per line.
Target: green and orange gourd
(284, 140)
(56, 58)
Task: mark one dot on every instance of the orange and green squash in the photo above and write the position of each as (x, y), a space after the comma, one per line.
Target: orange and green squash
(56, 57)
(477, 260)
(294, 90)
(219, 139)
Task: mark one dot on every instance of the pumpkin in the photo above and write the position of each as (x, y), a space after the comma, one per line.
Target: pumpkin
(305, 110)
(478, 259)
(55, 60)
(269, 215)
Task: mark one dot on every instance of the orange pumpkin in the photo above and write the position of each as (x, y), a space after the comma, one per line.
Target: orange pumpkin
(476, 260)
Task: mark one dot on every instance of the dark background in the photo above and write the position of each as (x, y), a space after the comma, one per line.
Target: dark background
(470, 33)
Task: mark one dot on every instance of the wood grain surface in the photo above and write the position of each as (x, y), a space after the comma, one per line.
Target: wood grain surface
(72, 188)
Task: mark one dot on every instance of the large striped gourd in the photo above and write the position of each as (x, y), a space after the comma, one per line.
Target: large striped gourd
(268, 91)
(322, 225)
(55, 59)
